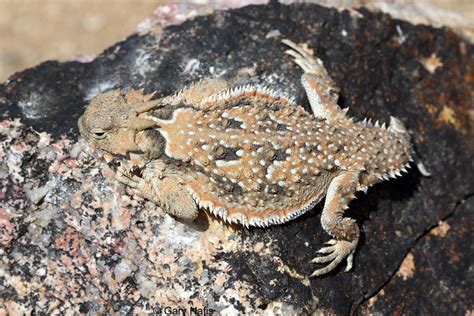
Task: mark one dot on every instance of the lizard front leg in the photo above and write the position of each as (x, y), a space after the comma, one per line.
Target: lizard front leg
(344, 230)
(321, 90)
(166, 191)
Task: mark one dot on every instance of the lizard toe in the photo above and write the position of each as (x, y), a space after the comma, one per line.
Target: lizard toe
(340, 250)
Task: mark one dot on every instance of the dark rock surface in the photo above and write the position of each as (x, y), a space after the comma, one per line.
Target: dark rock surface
(435, 276)
(73, 240)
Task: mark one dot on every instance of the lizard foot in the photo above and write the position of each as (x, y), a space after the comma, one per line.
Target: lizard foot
(125, 176)
(337, 251)
(302, 58)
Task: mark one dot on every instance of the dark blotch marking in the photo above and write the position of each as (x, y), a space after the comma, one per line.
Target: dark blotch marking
(232, 188)
(218, 152)
(274, 106)
(166, 113)
(263, 117)
(231, 123)
(274, 189)
(136, 171)
(281, 127)
(238, 102)
(225, 153)
(280, 155)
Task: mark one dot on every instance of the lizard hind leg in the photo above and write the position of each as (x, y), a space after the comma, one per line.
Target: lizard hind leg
(344, 230)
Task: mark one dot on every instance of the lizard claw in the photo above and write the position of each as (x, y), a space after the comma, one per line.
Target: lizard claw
(327, 249)
(302, 58)
(335, 254)
(296, 50)
(124, 176)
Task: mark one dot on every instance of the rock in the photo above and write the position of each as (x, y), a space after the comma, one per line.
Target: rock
(35, 195)
(104, 251)
(123, 270)
(439, 282)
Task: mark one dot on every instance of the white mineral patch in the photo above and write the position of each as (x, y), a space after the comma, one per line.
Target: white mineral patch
(123, 270)
(44, 141)
(99, 88)
(142, 64)
(13, 162)
(401, 36)
(41, 272)
(43, 217)
(229, 311)
(146, 285)
(36, 194)
(191, 66)
(273, 34)
(33, 106)
(177, 234)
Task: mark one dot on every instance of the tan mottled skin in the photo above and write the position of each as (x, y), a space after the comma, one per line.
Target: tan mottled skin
(248, 154)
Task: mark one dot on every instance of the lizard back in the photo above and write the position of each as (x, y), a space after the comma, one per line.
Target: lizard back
(255, 158)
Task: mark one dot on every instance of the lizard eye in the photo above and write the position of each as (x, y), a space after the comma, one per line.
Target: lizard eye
(98, 133)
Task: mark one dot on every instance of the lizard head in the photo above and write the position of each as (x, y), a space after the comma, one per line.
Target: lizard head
(111, 122)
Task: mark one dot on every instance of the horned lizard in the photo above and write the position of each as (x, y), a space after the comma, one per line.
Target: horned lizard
(248, 154)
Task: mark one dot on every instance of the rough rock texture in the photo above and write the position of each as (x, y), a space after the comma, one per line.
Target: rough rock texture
(73, 240)
(434, 277)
